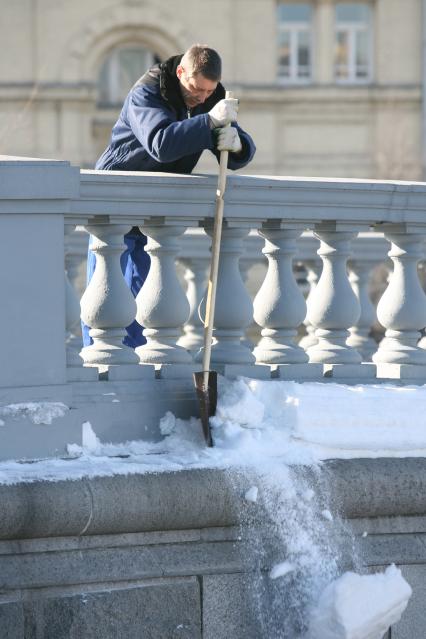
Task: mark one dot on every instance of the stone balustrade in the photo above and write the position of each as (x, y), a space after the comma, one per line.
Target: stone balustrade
(338, 310)
(337, 229)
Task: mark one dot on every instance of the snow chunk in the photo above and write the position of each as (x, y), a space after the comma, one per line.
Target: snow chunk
(327, 515)
(251, 494)
(309, 494)
(282, 569)
(360, 606)
(167, 424)
(37, 412)
(90, 441)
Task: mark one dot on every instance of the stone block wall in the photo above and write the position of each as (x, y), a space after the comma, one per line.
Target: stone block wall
(165, 556)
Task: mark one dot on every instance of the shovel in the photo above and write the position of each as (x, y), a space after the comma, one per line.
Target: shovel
(205, 381)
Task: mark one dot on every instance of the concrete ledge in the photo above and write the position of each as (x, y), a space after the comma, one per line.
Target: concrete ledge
(197, 499)
(132, 503)
(378, 487)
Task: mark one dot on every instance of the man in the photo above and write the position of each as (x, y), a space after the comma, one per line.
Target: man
(170, 116)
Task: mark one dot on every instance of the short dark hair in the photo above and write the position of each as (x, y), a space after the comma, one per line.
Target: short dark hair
(201, 59)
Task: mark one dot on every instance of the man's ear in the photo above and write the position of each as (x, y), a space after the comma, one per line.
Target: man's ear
(179, 71)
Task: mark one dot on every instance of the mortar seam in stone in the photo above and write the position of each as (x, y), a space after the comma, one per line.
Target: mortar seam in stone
(200, 583)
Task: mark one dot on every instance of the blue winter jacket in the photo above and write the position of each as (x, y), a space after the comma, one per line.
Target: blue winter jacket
(156, 132)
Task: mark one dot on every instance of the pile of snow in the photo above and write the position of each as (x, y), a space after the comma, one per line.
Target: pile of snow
(255, 421)
(360, 607)
(319, 421)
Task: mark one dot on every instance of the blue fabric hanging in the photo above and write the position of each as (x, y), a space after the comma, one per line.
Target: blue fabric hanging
(135, 264)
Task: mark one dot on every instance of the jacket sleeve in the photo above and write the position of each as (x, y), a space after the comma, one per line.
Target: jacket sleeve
(245, 156)
(164, 137)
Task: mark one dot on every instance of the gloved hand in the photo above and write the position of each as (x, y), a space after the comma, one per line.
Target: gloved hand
(228, 139)
(224, 112)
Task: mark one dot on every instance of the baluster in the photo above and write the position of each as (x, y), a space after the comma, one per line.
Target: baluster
(359, 275)
(107, 305)
(75, 370)
(195, 276)
(162, 306)
(313, 269)
(279, 307)
(334, 307)
(234, 308)
(76, 243)
(402, 310)
(421, 271)
(72, 312)
(252, 333)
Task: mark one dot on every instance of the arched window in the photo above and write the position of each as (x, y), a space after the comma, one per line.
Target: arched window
(120, 70)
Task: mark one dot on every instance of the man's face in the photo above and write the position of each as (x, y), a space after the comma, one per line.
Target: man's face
(196, 88)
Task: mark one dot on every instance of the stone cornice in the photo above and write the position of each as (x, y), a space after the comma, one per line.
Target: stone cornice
(188, 499)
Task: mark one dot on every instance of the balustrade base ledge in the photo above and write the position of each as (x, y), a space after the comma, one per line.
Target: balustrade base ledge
(117, 411)
(125, 372)
(253, 371)
(82, 374)
(297, 372)
(358, 372)
(175, 371)
(409, 372)
(22, 439)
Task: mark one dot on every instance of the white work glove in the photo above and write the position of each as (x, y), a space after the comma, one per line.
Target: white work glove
(228, 140)
(224, 112)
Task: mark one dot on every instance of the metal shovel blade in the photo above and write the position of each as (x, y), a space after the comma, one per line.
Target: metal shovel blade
(207, 399)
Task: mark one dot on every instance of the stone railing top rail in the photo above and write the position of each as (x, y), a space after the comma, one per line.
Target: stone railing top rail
(108, 196)
(307, 201)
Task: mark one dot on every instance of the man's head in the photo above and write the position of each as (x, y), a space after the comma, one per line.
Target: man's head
(199, 72)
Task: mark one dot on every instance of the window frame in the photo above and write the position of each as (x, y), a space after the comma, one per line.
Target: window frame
(294, 29)
(351, 29)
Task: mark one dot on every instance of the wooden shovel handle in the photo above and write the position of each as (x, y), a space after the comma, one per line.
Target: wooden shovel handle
(214, 263)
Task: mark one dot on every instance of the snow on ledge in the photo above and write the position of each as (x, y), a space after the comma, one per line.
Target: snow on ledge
(37, 412)
(256, 423)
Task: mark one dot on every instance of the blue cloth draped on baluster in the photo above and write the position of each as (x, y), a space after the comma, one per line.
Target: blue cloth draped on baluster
(135, 264)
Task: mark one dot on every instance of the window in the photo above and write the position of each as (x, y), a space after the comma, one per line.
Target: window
(294, 42)
(352, 58)
(119, 72)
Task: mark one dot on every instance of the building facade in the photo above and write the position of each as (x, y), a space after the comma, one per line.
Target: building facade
(327, 87)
